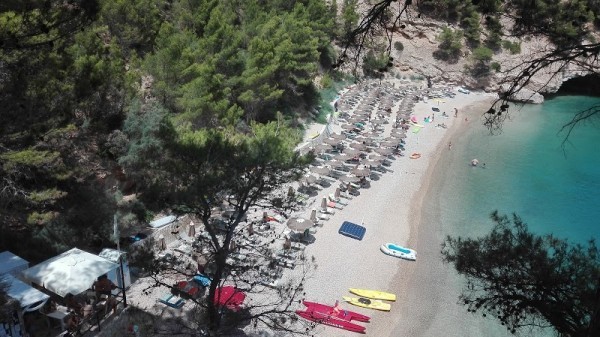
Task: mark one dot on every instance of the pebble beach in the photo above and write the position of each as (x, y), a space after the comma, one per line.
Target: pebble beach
(390, 210)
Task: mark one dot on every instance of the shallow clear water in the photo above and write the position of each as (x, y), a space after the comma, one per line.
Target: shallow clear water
(530, 170)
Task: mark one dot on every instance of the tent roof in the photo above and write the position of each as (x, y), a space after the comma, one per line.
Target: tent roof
(73, 271)
(22, 292)
(10, 261)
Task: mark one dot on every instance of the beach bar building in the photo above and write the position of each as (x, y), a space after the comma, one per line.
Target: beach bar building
(73, 271)
(29, 298)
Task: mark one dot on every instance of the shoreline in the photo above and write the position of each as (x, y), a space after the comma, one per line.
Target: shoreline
(387, 209)
(431, 287)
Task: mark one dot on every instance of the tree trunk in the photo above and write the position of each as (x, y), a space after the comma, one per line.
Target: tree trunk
(214, 317)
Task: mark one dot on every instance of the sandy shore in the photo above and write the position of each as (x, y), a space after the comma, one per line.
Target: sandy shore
(391, 211)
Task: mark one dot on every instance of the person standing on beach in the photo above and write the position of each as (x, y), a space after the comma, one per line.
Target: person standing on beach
(449, 145)
(455, 112)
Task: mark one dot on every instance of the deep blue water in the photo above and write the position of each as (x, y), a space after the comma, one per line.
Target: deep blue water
(551, 182)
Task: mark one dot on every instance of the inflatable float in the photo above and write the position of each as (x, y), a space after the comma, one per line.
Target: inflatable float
(415, 155)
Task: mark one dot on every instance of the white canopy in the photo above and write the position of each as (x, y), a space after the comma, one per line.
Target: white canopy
(73, 271)
(11, 263)
(22, 292)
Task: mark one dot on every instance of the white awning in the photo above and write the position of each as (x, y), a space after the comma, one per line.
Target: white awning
(22, 292)
(73, 271)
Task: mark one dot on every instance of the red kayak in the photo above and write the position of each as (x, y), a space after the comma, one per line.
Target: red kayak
(334, 310)
(333, 316)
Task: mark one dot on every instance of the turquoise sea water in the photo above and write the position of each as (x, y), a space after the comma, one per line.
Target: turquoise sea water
(553, 184)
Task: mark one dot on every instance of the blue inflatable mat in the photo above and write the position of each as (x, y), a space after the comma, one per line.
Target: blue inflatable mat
(352, 230)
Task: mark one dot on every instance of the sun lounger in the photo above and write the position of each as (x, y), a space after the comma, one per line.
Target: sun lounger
(338, 201)
(172, 301)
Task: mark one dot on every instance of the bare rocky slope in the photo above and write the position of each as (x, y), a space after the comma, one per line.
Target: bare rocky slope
(419, 38)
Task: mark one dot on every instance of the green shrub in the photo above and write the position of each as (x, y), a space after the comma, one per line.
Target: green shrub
(450, 46)
(326, 81)
(398, 46)
(495, 66)
(512, 47)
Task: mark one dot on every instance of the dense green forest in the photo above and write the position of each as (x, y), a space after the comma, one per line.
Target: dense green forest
(91, 90)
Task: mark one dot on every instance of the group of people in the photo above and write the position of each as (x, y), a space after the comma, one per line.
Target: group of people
(80, 308)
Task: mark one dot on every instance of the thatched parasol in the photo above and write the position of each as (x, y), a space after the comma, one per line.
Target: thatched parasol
(351, 151)
(322, 170)
(385, 151)
(349, 179)
(361, 172)
(358, 146)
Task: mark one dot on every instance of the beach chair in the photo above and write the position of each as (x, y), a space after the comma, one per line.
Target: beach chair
(172, 301)
(338, 201)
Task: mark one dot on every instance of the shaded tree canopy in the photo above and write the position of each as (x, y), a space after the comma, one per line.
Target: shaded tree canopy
(524, 279)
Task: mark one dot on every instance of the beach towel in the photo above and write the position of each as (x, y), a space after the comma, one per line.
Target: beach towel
(416, 129)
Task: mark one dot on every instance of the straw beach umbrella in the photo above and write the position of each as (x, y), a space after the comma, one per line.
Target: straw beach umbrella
(338, 136)
(322, 170)
(310, 179)
(348, 127)
(313, 215)
(358, 146)
(370, 162)
(349, 179)
(361, 172)
(386, 151)
(351, 151)
(332, 141)
(337, 193)
(377, 157)
(343, 157)
(389, 143)
(334, 163)
(323, 147)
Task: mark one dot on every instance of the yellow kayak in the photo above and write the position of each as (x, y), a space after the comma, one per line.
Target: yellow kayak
(374, 294)
(367, 303)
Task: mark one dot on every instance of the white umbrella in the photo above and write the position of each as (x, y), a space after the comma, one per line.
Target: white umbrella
(299, 224)
(337, 193)
(324, 203)
(313, 215)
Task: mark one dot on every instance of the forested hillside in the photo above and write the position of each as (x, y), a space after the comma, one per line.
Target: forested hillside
(91, 90)
(86, 86)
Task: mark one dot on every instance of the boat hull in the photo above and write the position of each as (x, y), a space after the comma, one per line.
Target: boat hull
(399, 251)
(372, 304)
(322, 318)
(374, 294)
(342, 314)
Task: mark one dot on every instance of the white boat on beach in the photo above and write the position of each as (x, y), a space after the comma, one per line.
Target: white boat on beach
(398, 251)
